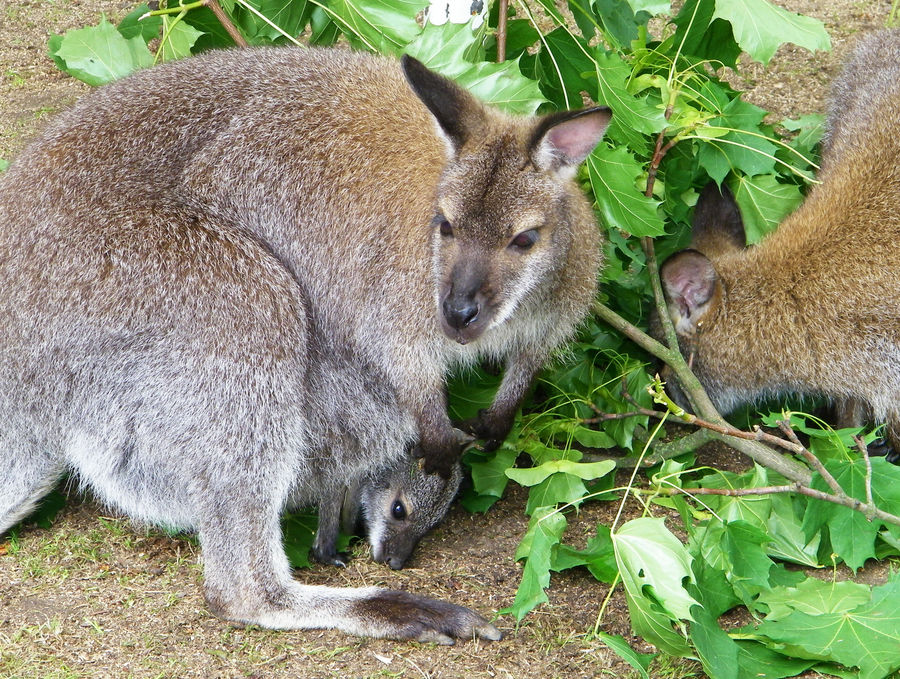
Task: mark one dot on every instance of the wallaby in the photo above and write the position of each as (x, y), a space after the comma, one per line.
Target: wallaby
(398, 507)
(233, 283)
(812, 309)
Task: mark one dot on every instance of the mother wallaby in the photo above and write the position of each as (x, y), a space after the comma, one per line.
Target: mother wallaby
(230, 281)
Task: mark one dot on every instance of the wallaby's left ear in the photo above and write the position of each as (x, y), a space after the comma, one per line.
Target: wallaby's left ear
(459, 114)
(561, 141)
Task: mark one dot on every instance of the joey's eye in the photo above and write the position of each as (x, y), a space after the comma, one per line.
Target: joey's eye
(524, 240)
(398, 511)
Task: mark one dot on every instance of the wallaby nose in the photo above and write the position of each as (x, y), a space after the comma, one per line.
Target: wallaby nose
(396, 563)
(460, 312)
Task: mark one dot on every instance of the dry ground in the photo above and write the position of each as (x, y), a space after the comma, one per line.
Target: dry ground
(93, 597)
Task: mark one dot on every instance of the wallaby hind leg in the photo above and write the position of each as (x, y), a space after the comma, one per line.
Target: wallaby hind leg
(25, 477)
(248, 580)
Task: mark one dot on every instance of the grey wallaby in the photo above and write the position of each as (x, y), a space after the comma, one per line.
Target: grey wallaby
(398, 507)
(813, 308)
(234, 283)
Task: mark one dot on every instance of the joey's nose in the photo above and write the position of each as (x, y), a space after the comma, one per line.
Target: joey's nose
(396, 563)
(459, 313)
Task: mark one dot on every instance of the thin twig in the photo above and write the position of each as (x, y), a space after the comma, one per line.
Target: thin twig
(864, 451)
(227, 23)
(811, 459)
(503, 10)
(867, 508)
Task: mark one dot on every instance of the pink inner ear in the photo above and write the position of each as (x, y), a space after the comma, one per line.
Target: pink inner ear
(690, 279)
(576, 138)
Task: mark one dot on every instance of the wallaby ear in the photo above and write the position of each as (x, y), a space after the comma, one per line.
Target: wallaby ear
(561, 141)
(692, 287)
(458, 113)
(718, 227)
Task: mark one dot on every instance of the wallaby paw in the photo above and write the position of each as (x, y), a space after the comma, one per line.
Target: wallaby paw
(491, 430)
(329, 558)
(405, 616)
(882, 448)
(439, 459)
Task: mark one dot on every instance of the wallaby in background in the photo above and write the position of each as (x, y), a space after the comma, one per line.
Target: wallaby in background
(397, 506)
(812, 309)
(234, 283)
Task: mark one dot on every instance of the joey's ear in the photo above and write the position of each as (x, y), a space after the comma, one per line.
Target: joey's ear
(718, 227)
(692, 287)
(561, 141)
(458, 113)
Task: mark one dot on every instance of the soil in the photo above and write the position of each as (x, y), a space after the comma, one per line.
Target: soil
(96, 597)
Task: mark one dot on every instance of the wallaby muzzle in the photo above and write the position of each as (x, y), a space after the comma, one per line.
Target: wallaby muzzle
(465, 312)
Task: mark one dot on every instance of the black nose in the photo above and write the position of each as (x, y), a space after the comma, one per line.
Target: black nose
(396, 563)
(460, 312)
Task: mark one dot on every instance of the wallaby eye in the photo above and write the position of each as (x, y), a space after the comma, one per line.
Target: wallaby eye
(442, 224)
(398, 511)
(525, 240)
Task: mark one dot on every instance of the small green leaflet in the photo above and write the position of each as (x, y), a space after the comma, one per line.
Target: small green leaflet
(544, 531)
(179, 39)
(764, 203)
(718, 653)
(100, 54)
(639, 661)
(760, 27)
(583, 470)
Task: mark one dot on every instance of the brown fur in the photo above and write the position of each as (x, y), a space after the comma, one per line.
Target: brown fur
(813, 308)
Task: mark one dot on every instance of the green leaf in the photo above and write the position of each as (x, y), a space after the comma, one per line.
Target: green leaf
(289, 15)
(814, 596)
(451, 49)
(761, 27)
(179, 40)
(733, 141)
(718, 652)
(755, 661)
(556, 489)
(699, 35)
(380, 25)
(583, 470)
(744, 545)
(562, 64)
(852, 534)
(132, 25)
(299, 532)
(489, 477)
(764, 203)
(868, 637)
(631, 114)
(598, 556)
(787, 541)
(653, 562)
(613, 174)
(99, 54)
(544, 531)
(639, 661)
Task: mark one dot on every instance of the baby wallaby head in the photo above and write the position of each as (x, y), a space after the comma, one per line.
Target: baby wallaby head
(401, 506)
(507, 212)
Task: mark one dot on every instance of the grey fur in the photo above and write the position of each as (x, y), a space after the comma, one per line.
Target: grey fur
(222, 293)
(813, 308)
(398, 507)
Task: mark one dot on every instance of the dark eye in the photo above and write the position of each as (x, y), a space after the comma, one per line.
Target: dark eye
(398, 511)
(525, 240)
(443, 224)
